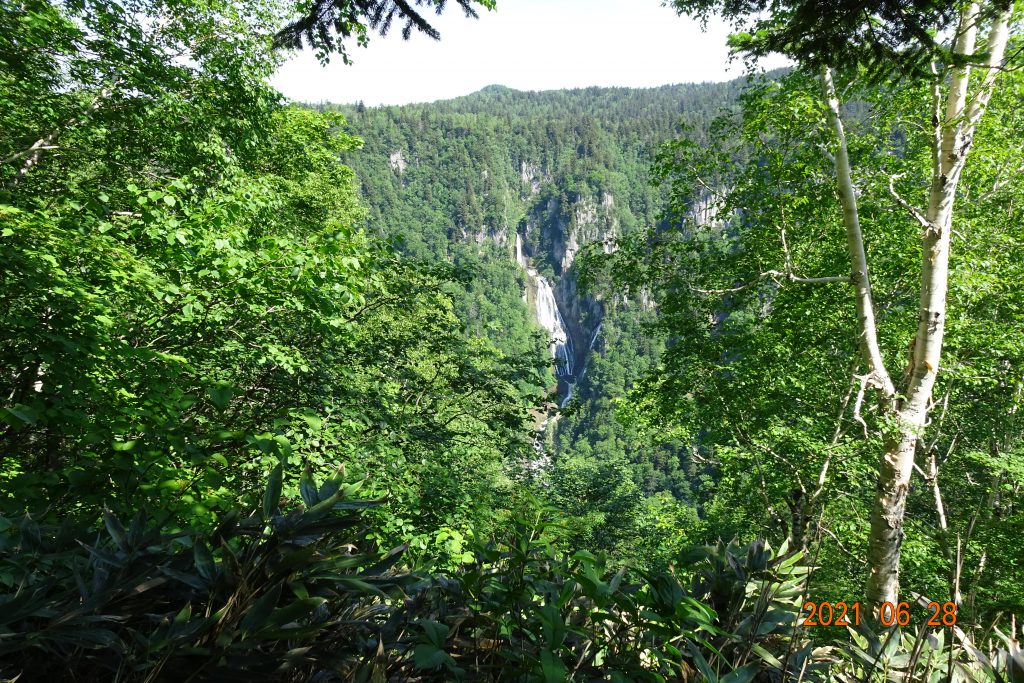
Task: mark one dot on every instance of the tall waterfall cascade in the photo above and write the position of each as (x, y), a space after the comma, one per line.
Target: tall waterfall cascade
(549, 317)
(540, 297)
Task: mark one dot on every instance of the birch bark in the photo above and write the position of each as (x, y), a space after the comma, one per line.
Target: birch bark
(953, 133)
(860, 276)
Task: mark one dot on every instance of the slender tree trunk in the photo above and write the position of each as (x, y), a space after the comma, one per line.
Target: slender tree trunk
(33, 154)
(953, 134)
(860, 277)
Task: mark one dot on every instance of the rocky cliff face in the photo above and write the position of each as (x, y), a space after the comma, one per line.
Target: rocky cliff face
(551, 236)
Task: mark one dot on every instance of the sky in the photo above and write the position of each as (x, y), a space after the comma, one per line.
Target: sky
(525, 44)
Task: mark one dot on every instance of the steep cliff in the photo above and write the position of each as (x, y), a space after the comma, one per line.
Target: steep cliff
(554, 231)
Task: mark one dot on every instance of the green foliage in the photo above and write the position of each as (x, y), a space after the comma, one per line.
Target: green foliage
(757, 373)
(196, 308)
(884, 35)
(270, 596)
(303, 592)
(326, 24)
(188, 294)
(455, 181)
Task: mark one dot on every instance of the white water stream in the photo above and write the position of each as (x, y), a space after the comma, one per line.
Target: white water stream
(550, 318)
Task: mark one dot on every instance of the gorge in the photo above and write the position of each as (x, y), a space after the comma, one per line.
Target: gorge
(540, 297)
(512, 187)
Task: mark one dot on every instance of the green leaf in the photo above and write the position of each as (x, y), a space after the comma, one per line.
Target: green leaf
(184, 615)
(256, 618)
(300, 609)
(272, 497)
(702, 664)
(21, 412)
(115, 529)
(220, 395)
(307, 488)
(204, 561)
(427, 656)
(742, 675)
(553, 669)
(436, 632)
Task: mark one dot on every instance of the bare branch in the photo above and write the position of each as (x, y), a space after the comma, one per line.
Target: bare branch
(942, 420)
(33, 154)
(933, 477)
(823, 473)
(824, 150)
(38, 145)
(819, 280)
(828, 532)
(793, 277)
(864, 382)
(842, 406)
(912, 210)
(1001, 183)
(776, 276)
(784, 461)
(785, 250)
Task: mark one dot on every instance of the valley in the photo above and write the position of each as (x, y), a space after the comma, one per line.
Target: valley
(581, 384)
(516, 184)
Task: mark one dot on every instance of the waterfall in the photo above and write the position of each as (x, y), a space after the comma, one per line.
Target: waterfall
(540, 296)
(545, 307)
(548, 315)
(550, 318)
(572, 386)
(520, 259)
(568, 395)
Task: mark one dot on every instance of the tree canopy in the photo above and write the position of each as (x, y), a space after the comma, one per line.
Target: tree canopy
(879, 34)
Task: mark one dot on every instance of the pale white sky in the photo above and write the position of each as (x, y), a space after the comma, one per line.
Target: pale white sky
(525, 44)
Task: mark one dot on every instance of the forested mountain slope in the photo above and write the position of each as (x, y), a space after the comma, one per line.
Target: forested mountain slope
(512, 186)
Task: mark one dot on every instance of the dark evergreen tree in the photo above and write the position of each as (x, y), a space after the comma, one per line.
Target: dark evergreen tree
(326, 24)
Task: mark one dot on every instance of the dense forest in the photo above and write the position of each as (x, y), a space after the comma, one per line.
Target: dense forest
(473, 181)
(704, 382)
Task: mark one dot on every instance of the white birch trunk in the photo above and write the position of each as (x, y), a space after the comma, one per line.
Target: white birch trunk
(953, 134)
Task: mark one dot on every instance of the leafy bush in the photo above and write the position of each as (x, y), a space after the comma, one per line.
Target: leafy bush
(269, 596)
(304, 595)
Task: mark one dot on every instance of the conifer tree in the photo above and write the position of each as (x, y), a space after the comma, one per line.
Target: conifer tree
(326, 24)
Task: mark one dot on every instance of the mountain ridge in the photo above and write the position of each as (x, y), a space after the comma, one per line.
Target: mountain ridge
(499, 88)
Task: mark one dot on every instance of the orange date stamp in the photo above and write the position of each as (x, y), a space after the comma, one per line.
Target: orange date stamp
(848, 614)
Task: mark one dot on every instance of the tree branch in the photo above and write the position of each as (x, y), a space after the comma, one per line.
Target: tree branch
(828, 532)
(912, 210)
(33, 154)
(855, 244)
(864, 379)
(999, 34)
(1000, 184)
